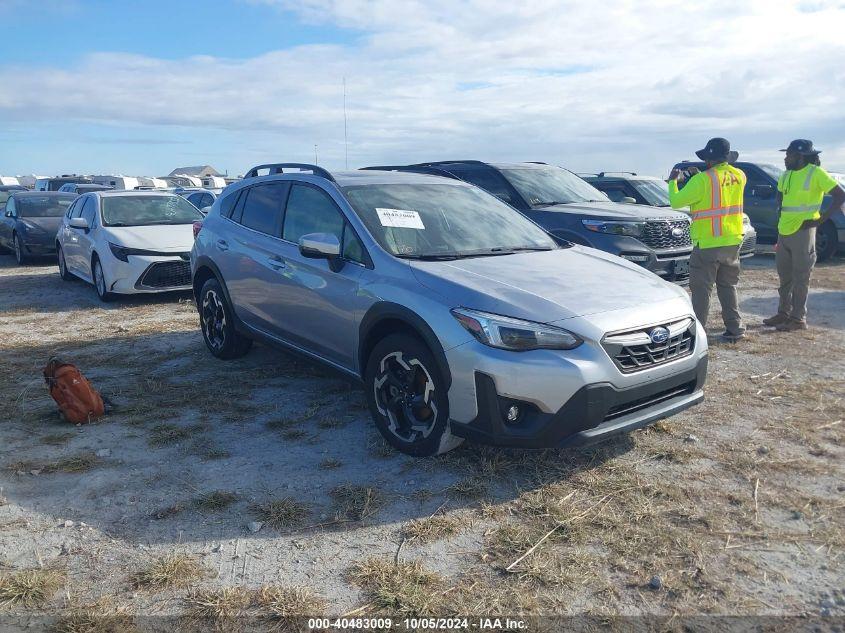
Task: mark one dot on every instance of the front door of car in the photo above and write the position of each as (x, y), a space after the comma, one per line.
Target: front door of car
(7, 221)
(760, 202)
(318, 301)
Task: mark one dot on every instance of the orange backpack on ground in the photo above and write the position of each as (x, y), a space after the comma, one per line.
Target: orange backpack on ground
(78, 401)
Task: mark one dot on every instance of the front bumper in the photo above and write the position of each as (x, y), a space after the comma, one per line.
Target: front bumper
(134, 276)
(749, 244)
(39, 247)
(595, 412)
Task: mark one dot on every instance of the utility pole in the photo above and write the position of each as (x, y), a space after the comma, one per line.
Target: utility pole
(345, 133)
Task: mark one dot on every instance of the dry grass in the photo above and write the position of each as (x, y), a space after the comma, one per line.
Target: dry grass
(330, 463)
(215, 501)
(100, 617)
(57, 439)
(433, 528)
(168, 434)
(403, 589)
(80, 463)
(217, 604)
(172, 570)
(166, 512)
(474, 487)
(332, 422)
(355, 503)
(282, 513)
(29, 588)
(280, 603)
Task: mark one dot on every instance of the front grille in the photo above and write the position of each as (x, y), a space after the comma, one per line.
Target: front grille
(749, 244)
(662, 234)
(166, 275)
(626, 408)
(634, 350)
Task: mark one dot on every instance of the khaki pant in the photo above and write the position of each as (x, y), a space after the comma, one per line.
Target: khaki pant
(795, 258)
(719, 265)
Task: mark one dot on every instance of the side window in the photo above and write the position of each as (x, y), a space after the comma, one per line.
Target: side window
(205, 200)
(72, 208)
(10, 207)
(262, 209)
(613, 191)
(227, 205)
(194, 199)
(89, 211)
(353, 249)
(489, 180)
(310, 210)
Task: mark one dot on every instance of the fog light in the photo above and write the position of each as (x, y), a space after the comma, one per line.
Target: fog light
(512, 414)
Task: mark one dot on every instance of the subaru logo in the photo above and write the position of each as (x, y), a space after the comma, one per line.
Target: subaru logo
(677, 232)
(659, 335)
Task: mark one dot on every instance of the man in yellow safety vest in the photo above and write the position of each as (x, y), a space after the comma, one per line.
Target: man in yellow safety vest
(714, 198)
(801, 189)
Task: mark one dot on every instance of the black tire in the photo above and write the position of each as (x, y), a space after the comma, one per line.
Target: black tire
(408, 398)
(218, 325)
(17, 248)
(60, 258)
(100, 281)
(827, 242)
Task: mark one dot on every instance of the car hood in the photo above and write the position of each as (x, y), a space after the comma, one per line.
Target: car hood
(160, 237)
(614, 211)
(50, 225)
(545, 286)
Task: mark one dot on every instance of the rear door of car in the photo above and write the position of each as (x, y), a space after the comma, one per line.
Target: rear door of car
(244, 251)
(79, 242)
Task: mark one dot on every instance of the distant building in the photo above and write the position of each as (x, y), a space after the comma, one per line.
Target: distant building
(201, 171)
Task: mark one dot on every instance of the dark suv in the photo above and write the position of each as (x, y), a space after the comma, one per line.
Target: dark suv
(572, 209)
(761, 206)
(648, 190)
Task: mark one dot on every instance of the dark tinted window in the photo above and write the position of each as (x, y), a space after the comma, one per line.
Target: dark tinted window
(311, 211)
(43, 206)
(194, 199)
(205, 200)
(89, 210)
(263, 208)
(488, 179)
(228, 203)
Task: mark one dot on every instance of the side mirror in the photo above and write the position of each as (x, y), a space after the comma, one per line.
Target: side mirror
(629, 200)
(763, 191)
(78, 223)
(319, 246)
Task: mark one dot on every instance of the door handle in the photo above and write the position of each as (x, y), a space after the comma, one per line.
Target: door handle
(223, 245)
(276, 263)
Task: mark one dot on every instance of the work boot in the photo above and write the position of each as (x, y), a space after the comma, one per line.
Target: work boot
(779, 319)
(792, 325)
(731, 337)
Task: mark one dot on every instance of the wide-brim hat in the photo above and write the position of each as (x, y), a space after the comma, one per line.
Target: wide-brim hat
(802, 146)
(718, 149)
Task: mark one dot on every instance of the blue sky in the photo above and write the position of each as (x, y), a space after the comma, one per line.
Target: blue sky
(107, 87)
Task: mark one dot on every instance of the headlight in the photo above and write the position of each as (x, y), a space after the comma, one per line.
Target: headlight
(514, 334)
(121, 252)
(633, 229)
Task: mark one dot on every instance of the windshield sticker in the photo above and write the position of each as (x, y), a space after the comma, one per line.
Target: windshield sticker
(400, 219)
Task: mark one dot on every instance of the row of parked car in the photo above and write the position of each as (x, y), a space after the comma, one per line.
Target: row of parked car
(461, 294)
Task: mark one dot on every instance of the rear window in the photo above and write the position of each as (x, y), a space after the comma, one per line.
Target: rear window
(148, 210)
(42, 206)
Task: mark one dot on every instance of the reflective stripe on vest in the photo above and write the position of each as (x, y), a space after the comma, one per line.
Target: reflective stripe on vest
(809, 177)
(716, 213)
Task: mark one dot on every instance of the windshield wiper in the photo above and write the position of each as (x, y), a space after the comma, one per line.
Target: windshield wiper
(549, 204)
(431, 257)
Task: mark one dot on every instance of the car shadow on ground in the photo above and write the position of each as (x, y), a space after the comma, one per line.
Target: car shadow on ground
(286, 442)
(825, 302)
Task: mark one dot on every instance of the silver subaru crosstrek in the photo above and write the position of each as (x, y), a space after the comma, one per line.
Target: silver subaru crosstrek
(462, 318)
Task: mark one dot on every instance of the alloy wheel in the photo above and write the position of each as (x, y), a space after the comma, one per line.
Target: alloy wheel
(214, 320)
(18, 250)
(404, 395)
(99, 279)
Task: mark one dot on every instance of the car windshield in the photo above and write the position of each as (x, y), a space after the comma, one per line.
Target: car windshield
(148, 210)
(443, 221)
(772, 170)
(655, 192)
(43, 206)
(552, 185)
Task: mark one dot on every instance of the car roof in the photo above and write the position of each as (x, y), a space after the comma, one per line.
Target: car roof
(121, 193)
(628, 177)
(378, 177)
(41, 194)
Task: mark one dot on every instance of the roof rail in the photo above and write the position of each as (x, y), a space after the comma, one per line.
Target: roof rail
(536, 162)
(602, 174)
(278, 168)
(383, 168)
(447, 162)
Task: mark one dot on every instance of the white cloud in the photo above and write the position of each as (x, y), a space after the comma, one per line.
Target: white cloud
(612, 85)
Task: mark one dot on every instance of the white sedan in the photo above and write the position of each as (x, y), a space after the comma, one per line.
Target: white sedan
(127, 242)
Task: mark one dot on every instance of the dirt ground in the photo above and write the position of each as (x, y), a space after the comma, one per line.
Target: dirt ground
(260, 487)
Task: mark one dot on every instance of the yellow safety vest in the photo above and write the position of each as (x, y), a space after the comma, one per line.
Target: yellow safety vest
(715, 201)
(803, 192)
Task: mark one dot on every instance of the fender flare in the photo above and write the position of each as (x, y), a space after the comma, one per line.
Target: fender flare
(386, 310)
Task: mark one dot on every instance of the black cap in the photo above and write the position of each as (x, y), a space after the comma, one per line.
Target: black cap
(802, 146)
(717, 149)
